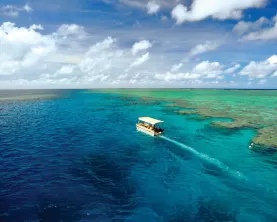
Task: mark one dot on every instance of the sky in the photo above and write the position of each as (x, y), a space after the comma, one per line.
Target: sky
(138, 43)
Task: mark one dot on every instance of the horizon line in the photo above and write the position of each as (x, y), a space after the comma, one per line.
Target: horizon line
(142, 88)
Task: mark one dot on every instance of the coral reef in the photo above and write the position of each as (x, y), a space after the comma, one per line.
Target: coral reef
(232, 125)
(186, 112)
(266, 137)
(28, 97)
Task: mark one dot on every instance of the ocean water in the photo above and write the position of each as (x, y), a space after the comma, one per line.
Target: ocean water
(78, 157)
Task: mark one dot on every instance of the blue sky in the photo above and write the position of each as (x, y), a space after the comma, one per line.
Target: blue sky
(138, 43)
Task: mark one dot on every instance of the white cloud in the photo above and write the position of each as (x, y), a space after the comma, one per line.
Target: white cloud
(176, 67)
(243, 27)
(36, 27)
(102, 59)
(27, 8)
(152, 7)
(30, 55)
(106, 62)
(100, 46)
(272, 60)
(10, 10)
(202, 48)
(140, 46)
(149, 5)
(179, 13)
(132, 3)
(263, 34)
(216, 9)
(203, 70)
(232, 69)
(275, 73)
(176, 77)
(34, 58)
(71, 30)
(260, 69)
(67, 69)
(14, 11)
(208, 69)
(140, 60)
(262, 81)
(23, 47)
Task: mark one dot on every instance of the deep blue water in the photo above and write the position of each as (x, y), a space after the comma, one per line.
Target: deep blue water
(80, 158)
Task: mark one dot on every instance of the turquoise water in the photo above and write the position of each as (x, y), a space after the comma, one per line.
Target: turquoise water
(79, 158)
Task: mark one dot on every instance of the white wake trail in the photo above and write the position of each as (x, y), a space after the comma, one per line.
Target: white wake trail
(207, 158)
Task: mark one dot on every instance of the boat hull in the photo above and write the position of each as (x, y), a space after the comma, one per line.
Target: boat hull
(149, 132)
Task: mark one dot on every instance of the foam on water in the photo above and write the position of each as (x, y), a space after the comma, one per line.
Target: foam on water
(216, 162)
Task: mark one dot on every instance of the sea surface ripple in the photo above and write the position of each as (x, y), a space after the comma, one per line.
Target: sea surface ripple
(78, 157)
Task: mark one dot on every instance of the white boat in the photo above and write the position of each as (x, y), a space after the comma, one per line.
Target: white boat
(149, 126)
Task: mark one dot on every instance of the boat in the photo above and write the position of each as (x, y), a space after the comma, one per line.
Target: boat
(149, 126)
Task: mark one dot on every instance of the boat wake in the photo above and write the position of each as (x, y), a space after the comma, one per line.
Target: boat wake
(207, 158)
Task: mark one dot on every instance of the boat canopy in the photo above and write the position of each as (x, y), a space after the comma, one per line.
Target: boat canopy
(150, 120)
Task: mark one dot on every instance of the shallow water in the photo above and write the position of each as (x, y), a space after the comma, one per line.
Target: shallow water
(79, 158)
(254, 109)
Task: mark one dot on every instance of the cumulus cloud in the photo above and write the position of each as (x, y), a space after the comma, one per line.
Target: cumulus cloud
(142, 4)
(203, 70)
(26, 53)
(101, 46)
(244, 27)
(272, 60)
(216, 9)
(100, 59)
(36, 27)
(202, 48)
(67, 69)
(176, 77)
(152, 7)
(176, 67)
(141, 60)
(179, 13)
(104, 62)
(232, 69)
(14, 11)
(208, 69)
(264, 33)
(23, 47)
(71, 30)
(140, 46)
(31, 57)
(260, 69)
